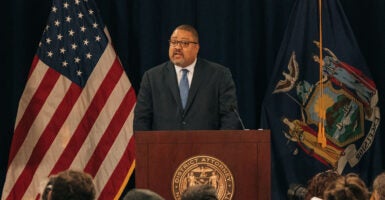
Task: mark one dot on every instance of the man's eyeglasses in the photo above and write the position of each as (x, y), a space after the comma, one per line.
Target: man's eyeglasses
(184, 44)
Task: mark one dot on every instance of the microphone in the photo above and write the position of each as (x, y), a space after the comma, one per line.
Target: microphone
(233, 108)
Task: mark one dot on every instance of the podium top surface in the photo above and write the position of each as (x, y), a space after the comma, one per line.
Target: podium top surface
(202, 136)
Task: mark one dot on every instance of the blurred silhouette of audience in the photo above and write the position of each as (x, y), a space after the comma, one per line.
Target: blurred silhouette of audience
(319, 182)
(48, 189)
(348, 187)
(142, 194)
(200, 192)
(70, 185)
(378, 191)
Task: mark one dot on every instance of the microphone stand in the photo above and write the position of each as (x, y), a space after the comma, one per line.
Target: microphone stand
(234, 109)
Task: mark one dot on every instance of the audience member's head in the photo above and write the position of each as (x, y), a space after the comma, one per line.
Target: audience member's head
(48, 189)
(378, 192)
(73, 185)
(318, 183)
(142, 194)
(348, 187)
(200, 192)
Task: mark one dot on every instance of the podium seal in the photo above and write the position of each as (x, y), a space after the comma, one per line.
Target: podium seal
(202, 169)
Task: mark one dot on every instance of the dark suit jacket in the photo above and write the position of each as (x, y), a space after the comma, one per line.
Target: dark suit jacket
(210, 105)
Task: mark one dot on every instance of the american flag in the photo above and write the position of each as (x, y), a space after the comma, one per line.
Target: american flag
(76, 108)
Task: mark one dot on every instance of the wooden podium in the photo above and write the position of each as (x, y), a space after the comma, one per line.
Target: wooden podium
(246, 153)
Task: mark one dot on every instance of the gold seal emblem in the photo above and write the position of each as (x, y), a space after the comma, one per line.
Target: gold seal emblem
(200, 170)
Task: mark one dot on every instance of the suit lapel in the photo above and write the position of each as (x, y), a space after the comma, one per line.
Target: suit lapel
(196, 82)
(172, 83)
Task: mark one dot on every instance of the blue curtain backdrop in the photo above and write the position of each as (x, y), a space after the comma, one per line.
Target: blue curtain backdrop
(242, 35)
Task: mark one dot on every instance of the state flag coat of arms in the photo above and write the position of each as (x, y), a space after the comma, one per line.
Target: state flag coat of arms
(322, 104)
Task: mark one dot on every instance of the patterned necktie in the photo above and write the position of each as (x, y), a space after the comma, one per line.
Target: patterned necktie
(184, 87)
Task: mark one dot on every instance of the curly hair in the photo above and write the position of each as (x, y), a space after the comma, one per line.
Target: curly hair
(319, 182)
(73, 185)
(348, 187)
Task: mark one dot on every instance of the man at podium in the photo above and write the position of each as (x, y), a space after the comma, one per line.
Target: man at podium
(186, 92)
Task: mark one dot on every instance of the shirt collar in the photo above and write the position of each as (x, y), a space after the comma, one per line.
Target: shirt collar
(190, 68)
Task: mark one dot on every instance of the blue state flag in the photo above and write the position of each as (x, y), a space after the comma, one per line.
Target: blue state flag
(321, 104)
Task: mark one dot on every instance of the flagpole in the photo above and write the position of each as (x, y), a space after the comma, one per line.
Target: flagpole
(321, 125)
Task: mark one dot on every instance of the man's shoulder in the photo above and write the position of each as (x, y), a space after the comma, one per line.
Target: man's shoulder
(211, 65)
(161, 67)
(203, 61)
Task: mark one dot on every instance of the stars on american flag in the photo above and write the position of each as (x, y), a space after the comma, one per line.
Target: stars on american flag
(72, 41)
(68, 19)
(74, 46)
(64, 63)
(83, 29)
